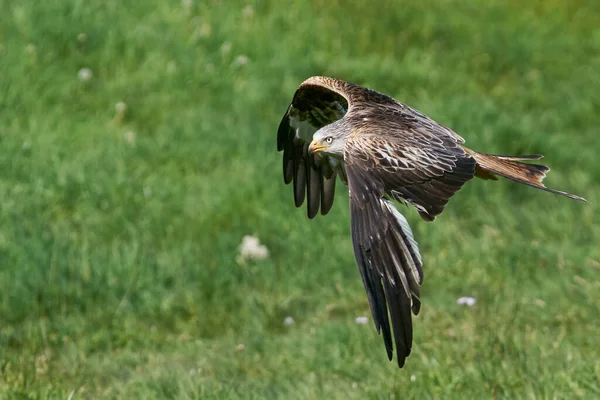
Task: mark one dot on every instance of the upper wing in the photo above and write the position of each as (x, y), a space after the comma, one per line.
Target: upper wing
(414, 159)
(317, 102)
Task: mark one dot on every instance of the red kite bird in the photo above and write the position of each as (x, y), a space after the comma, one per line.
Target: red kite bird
(383, 150)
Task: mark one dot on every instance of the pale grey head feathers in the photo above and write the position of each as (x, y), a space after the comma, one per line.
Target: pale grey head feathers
(331, 139)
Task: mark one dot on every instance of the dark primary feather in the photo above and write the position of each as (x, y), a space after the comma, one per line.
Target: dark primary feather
(313, 176)
(388, 261)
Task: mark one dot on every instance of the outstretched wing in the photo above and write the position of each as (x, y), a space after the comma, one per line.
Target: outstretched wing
(317, 102)
(394, 155)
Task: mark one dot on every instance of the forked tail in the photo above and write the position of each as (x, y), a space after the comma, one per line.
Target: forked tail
(511, 167)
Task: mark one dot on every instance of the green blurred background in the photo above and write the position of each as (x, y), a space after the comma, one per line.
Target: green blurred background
(138, 148)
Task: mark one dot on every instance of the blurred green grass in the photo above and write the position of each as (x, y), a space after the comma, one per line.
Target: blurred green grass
(119, 236)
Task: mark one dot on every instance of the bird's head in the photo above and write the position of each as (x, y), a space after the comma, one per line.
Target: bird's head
(329, 140)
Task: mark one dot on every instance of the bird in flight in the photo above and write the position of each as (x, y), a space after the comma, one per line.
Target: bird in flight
(383, 150)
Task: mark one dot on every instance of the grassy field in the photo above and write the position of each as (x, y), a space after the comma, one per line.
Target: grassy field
(137, 148)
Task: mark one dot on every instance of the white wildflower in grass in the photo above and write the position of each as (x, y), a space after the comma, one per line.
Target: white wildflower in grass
(540, 303)
(248, 11)
(240, 61)
(240, 347)
(41, 363)
(413, 378)
(288, 321)
(205, 30)
(354, 385)
(84, 74)
(226, 48)
(129, 137)
(187, 5)
(251, 249)
(361, 320)
(469, 301)
(120, 107)
(120, 110)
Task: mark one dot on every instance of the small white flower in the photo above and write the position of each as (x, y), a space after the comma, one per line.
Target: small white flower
(226, 48)
(240, 347)
(120, 107)
(354, 385)
(84, 74)
(469, 301)
(205, 30)
(251, 249)
(413, 378)
(240, 61)
(288, 321)
(248, 11)
(540, 303)
(361, 320)
(129, 137)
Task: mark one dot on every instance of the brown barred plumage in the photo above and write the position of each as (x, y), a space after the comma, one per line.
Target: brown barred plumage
(383, 149)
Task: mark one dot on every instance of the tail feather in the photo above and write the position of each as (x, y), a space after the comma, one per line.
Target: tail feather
(511, 167)
(519, 158)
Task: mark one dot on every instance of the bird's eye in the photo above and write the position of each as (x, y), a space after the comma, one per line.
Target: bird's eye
(328, 140)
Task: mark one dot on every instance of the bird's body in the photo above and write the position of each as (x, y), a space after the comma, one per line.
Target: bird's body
(383, 150)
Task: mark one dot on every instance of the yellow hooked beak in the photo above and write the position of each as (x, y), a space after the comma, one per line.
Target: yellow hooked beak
(315, 147)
